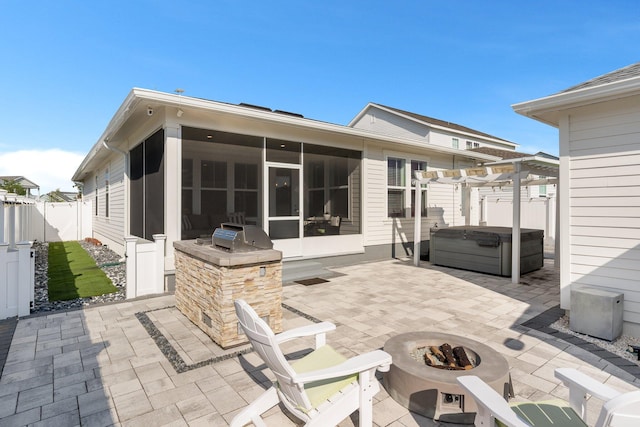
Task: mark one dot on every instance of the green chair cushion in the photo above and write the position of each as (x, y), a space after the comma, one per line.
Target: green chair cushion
(323, 357)
(552, 413)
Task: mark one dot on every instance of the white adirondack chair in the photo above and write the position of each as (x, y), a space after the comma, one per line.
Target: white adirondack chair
(619, 409)
(322, 388)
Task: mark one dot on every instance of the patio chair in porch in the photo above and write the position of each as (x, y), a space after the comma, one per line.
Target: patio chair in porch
(323, 387)
(619, 409)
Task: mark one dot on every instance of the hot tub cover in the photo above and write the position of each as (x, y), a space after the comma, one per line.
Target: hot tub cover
(487, 236)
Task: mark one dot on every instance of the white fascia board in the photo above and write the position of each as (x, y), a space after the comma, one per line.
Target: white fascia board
(146, 96)
(361, 114)
(542, 109)
(114, 125)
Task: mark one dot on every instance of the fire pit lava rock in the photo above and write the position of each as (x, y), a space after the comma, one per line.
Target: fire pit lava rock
(433, 392)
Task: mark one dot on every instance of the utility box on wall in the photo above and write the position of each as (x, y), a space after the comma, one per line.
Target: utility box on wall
(596, 312)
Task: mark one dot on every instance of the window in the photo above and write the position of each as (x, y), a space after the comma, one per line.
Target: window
(396, 178)
(542, 189)
(469, 145)
(106, 193)
(213, 185)
(399, 187)
(246, 189)
(455, 143)
(315, 182)
(476, 145)
(96, 198)
(332, 189)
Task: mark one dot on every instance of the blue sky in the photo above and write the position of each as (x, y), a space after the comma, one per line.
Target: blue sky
(68, 65)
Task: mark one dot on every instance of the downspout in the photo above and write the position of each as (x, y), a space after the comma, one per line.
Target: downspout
(114, 149)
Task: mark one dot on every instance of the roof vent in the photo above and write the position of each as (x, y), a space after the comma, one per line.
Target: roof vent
(256, 107)
(288, 113)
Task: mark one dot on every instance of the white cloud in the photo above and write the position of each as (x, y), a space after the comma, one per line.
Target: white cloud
(50, 169)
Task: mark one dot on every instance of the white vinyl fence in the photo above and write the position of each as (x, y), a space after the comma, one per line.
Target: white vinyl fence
(536, 212)
(61, 221)
(145, 265)
(23, 220)
(17, 267)
(16, 280)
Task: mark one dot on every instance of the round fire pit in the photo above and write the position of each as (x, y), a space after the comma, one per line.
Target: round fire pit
(434, 392)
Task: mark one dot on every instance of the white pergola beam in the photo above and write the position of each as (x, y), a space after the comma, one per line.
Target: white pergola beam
(505, 173)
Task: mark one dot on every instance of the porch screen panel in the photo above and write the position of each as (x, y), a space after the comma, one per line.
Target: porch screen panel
(331, 190)
(136, 191)
(154, 185)
(146, 189)
(224, 177)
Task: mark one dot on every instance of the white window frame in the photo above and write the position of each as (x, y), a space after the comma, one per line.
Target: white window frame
(96, 207)
(106, 192)
(407, 187)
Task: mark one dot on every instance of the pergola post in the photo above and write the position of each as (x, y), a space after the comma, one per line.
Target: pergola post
(515, 234)
(417, 227)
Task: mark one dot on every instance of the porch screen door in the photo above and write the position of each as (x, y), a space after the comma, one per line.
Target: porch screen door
(284, 199)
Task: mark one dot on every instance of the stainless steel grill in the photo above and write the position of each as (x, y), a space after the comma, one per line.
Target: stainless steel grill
(240, 238)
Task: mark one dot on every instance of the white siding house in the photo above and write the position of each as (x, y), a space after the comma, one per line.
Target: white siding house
(599, 194)
(179, 166)
(395, 122)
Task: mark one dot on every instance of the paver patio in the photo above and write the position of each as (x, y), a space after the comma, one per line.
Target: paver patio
(142, 363)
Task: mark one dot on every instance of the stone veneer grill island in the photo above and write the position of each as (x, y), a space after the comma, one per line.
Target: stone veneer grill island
(209, 279)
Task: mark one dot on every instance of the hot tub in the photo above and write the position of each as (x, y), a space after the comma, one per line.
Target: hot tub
(485, 249)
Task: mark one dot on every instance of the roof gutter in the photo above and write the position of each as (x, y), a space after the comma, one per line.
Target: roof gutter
(114, 125)
(536, 108)
(138, 95)
(220, 107)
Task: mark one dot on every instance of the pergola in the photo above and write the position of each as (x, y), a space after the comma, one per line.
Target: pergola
(517, 172)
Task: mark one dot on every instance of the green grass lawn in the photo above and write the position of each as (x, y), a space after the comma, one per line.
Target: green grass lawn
(74, 274)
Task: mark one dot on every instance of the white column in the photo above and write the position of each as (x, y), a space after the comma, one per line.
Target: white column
(474, 206)
(24, 279)
(160, 240)
(131, 265)
(2, 223)
(173, 189)
(515, 234)
(564, 208)
(417, 227)
(484, 214)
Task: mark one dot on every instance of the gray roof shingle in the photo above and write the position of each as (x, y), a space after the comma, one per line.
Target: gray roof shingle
(624, 73)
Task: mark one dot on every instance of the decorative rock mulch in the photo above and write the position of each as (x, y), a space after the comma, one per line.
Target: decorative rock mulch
(109, 261)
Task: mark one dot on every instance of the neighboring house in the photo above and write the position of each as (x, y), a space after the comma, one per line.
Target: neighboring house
(60, 196)
(24, 183)
(432, 132)
(180, 166)
(395, 122)
(599, 190)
